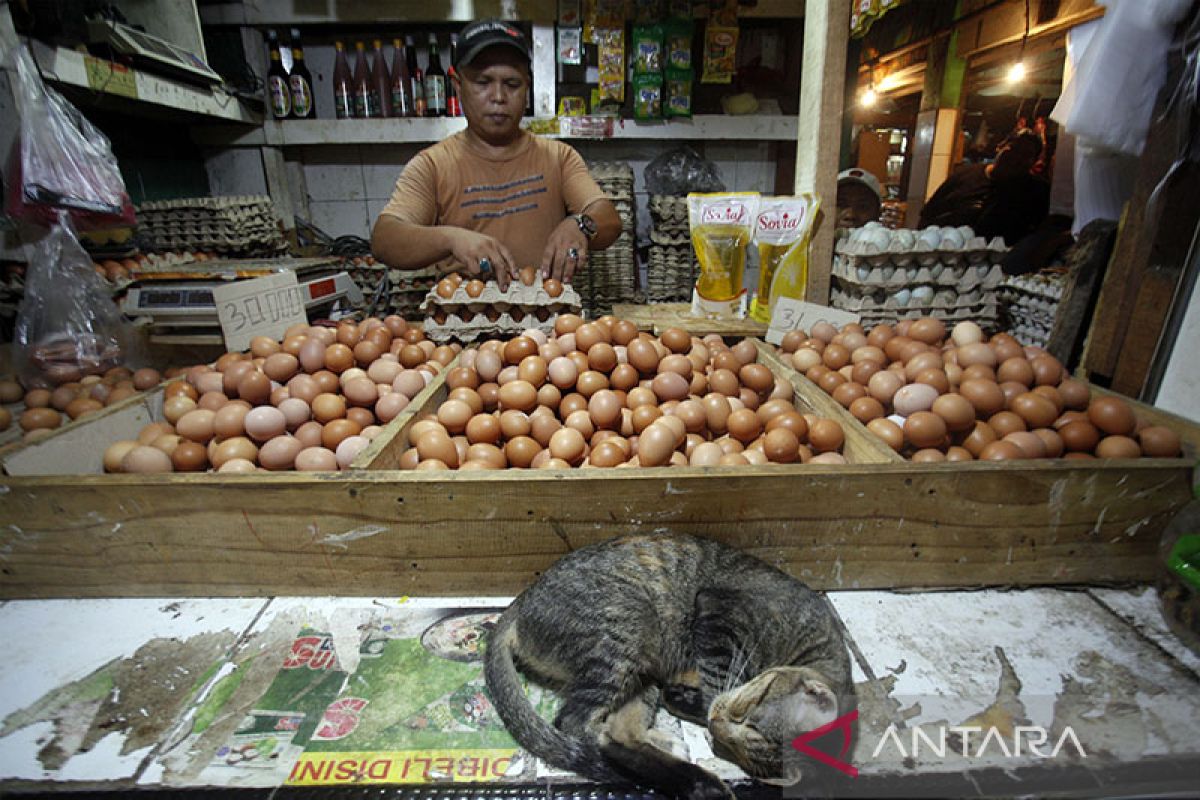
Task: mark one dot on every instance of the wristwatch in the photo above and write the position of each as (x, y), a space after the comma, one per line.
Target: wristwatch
(587, 225)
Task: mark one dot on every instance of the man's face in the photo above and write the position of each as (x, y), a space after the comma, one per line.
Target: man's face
(494, 90)
(856, 205)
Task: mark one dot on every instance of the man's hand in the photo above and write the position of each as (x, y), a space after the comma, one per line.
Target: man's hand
(483, 256)
(566, 252)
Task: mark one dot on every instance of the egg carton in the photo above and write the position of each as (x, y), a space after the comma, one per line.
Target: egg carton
(668, 211)
(933, 305)
(518, 294)
(1047, 285)
(922, 296)
(875, 245)
(961, 276)
(453, 327)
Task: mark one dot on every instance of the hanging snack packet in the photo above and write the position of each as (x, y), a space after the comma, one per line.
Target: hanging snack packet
(647, 50)
(679, 44)
(722, 226)
(678, 100)
(647, 96)
(720, 54)
(782, 230)
(610, 44)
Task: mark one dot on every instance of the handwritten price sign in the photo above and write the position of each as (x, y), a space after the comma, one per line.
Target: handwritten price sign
(259, 307)
(790, 315)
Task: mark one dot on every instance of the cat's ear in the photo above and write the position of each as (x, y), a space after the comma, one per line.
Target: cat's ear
(791, 776)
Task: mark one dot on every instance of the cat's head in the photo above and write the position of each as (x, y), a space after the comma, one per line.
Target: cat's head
(753, 725)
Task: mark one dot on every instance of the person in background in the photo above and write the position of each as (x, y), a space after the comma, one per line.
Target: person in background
(494, 198)
(997, 199)
(859, 198)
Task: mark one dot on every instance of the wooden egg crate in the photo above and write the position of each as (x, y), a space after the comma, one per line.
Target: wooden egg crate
(68, 530)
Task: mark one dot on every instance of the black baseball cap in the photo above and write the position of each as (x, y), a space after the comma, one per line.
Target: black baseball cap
(484, 33)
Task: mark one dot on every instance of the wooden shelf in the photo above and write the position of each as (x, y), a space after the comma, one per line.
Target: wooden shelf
(319, 132)
(137, 88)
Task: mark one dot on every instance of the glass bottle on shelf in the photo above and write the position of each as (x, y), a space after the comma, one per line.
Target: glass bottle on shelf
(435, 82)
(417, 76)
(300, 81)
(362, 83)
(343, 84)
(279, 93)
(401, 90)
(381, 82)
(453, 104)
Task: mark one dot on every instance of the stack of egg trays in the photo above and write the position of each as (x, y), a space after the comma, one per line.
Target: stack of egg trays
(408, 289)
(495, 313)
(672, 267)
(243, 224)
(897, 283)
(1030, 304)
(611, 274)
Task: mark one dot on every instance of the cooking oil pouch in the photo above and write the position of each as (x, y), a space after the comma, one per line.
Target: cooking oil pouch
(647, 96)
(722, 226)
(647, 50)
(782, 230)
(720, 54)
(679, 44)
(678, 94)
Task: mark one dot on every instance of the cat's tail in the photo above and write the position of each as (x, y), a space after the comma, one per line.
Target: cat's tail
(530, 730)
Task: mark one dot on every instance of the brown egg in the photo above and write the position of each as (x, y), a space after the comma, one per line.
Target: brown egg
(115, 452)
(1051, 442)
(1047, 370)
(1000, 451)
(655, 445)
(316, 459)
(519, 395)
(1158, 441)
(781, 446)
(521, 451)
(328, 406)
(670, 386)
(1006, 422)
(309, 433)
(956, 411)
(1016, 369)
(264, 422)
(197, 425)
(361, 392)
(1079, 436)
(146, 378)
(38, 418)
(825, 435)
(1035, 409)
(744, 425)
(976, 353)
(984, 395)
(757, 377)
(175, 407)
(1075, 394)
(928, 455)
(518, 348)
(567, 444)
(1118, 447)
(676, 340)
(925, 429)
(979, 437)
(144, 459)
(884, 385)
(81, 407)
(254, 387)
(433, 445)
(336, 431)
(928, 330)
(189, 457)
(1112, 415)
(1032, 445)
(604, 407)
(280, 453)
(236, 447)
(959, 454)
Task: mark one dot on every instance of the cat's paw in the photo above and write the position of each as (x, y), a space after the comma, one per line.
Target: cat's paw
(684, 700)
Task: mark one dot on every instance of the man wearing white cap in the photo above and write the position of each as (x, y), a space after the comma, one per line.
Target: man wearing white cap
(859, 198)
(494, 198)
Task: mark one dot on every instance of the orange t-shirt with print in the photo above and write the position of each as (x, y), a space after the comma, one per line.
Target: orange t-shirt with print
(518, 199)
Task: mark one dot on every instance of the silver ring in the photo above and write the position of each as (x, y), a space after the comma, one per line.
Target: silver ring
(573, 253)
(485, 265)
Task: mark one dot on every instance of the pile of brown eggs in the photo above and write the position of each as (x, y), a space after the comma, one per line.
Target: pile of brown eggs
(602, 394)
(48, 409)
(934, 397)
(312, 402)
(474, 288)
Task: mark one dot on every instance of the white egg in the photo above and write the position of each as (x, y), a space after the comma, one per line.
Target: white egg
(863, 273)
(922, 295)
(902, 297)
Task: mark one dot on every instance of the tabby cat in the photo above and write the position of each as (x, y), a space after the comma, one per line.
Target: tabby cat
(716, 636)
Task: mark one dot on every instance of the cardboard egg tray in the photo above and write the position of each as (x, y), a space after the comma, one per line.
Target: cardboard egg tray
(1030, 304)
(519, 308)
(980, 307)
(963, 277)
(611, 274)
(243, 223)
(976, 251)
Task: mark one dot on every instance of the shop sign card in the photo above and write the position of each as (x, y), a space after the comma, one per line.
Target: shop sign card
(259, 307)
(790, 315)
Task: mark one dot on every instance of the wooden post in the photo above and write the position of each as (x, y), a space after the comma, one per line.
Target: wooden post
(818, 141)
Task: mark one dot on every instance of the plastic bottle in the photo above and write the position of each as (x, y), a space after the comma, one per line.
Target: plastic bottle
(300, 81)
(279, 93)
(453, 104)
(417, 76)
(343, 84)
(435, 82)
(381, 82)
(401, 90)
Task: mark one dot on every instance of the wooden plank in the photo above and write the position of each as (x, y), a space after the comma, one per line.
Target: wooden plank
(862, 446)
(818, 141)
(1088, 259)
(385, 449)
(375, 533)
(658, 317)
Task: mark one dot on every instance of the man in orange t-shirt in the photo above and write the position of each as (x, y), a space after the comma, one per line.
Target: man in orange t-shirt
(495, 198)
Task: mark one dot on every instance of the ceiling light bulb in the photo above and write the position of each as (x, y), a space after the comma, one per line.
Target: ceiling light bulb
(1016, 73)
(868, 98)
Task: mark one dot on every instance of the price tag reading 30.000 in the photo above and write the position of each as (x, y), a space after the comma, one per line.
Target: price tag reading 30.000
(259, 307)
(789, 315)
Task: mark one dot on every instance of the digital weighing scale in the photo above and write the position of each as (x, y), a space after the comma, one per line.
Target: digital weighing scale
(176, 301)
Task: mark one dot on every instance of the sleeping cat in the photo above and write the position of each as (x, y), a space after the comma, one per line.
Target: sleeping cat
(717, 636)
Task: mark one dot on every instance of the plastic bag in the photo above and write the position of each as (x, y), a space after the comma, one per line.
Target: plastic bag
(68, 325)
(682, 171)
(60, 160)
(1110, 99)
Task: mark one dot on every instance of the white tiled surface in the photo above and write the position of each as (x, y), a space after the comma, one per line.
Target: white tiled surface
(1140, 608)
